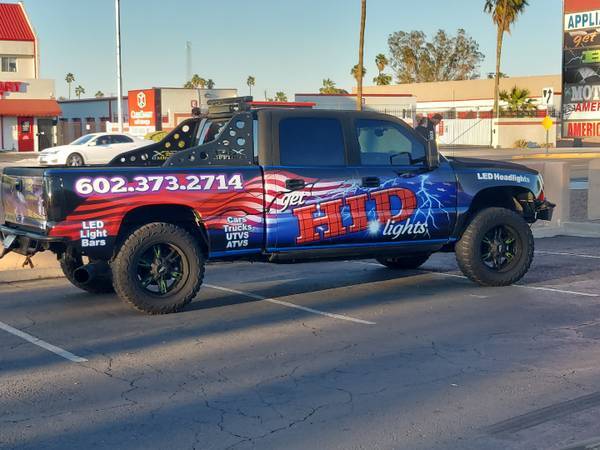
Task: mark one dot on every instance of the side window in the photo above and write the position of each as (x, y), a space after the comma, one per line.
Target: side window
(314, 141)
(121, 139)
(103, 140)
(385, 143)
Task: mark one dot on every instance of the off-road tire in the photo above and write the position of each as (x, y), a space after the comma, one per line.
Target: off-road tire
(468, 248)
(125, 276)
(70, 261)
(408, 262)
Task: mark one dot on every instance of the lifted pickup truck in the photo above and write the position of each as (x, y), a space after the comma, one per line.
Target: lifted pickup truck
(275, 185)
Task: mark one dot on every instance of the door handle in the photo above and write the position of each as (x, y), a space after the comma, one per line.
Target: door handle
(371, 182)
(295, 184)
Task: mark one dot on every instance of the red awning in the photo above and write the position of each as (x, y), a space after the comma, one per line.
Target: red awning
(29, 107)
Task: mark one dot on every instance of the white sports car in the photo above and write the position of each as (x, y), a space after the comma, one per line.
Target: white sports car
(94, 148)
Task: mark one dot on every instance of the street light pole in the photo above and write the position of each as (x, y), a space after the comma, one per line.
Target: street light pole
(119, 73)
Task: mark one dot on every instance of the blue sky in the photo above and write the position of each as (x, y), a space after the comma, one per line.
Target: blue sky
(287, 45)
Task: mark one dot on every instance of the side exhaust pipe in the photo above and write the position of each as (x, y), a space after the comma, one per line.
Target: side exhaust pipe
(92, 271)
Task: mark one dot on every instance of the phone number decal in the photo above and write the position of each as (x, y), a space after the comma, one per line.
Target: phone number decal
(158, 183)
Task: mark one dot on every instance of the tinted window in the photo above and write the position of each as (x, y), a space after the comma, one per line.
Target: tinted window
(311, 142)
(120, 139)
(385, 143)
(103, 140)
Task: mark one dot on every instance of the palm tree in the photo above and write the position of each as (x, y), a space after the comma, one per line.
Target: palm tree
(69, 79)
(210, 83)
(504, 14)
(381, 62)
(280, 97)
(383, 79)
(79, 90)
(518, 102)
(330, 88)
(355, 74)
(99, 94)
(251, 81)
(360, 71)
(196, 82)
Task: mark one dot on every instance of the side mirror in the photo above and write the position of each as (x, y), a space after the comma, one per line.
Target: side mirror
(432, 155)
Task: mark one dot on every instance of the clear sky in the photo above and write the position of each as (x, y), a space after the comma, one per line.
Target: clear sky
(288, 45)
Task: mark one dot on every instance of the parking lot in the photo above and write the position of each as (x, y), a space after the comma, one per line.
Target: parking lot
(322, 355)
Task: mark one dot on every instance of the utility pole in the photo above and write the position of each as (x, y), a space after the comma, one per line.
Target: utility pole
(119, 73)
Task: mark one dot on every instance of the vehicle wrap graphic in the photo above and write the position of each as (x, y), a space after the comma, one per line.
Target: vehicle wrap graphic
(325, 211)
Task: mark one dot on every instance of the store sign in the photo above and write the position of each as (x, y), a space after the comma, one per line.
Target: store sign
(142, 108)
(581, 69)
(10, 86)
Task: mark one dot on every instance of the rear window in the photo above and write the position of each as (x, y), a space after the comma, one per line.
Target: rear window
(311, 142)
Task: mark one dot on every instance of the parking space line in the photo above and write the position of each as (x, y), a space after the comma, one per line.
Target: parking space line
(291, 305)
(544, 252)
(522, 286)
(43, 344)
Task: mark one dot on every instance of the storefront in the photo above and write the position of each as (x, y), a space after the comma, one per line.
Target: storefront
(28, 110)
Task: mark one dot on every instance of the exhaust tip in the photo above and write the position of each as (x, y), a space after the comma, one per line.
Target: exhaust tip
(82, 275)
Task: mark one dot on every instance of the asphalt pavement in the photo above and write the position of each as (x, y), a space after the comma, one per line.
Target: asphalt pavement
(336, 355)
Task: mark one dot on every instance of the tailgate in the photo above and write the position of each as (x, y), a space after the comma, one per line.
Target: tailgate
(22, 198)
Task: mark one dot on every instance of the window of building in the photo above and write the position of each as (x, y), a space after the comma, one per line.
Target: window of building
(311, 142)
(9, 63)
(384, 143)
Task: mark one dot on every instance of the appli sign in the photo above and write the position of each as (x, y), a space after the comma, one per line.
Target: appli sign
(581, 69)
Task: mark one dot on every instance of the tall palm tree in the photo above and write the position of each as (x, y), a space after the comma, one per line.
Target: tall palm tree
(210, 83)
(99, 94)
(79, 90)
(354, 72)
(69, 79)
(360, 72)
(251, 81)
(381, 62)
(504, 14)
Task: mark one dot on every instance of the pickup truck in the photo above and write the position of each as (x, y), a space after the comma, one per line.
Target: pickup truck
(271, 185)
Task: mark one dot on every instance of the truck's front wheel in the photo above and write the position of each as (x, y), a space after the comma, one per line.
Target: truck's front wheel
(496, 249)
(158, 269)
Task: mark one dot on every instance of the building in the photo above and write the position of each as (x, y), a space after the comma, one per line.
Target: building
(87, 115)
(398, 104)
(27, 105)
(144, 111)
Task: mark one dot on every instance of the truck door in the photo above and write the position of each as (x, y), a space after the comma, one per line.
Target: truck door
(305, 189)
(403, 201)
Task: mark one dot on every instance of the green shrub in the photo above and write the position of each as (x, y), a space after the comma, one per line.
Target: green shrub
(520, 143)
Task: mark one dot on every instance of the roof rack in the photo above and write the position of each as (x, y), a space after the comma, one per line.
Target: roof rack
(227, 107)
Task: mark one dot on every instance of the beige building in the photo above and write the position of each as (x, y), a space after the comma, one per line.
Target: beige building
(27, 104)
(467, 109)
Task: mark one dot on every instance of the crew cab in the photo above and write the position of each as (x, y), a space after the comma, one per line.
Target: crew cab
(272, 185)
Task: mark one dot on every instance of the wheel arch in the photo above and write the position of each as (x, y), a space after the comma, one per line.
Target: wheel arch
(519, 199)
(176, 214)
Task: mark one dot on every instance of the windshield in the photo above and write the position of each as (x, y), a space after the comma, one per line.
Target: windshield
(83, 139)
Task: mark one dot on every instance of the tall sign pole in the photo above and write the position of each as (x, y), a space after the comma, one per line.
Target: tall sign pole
(119, 73)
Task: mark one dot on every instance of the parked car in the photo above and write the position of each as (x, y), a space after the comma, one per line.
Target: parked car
(272, 185)
(90, 149)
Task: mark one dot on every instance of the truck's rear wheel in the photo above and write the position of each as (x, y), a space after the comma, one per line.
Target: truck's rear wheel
(70, 261)
(496, 249)
(158, 269)
(407, 262)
